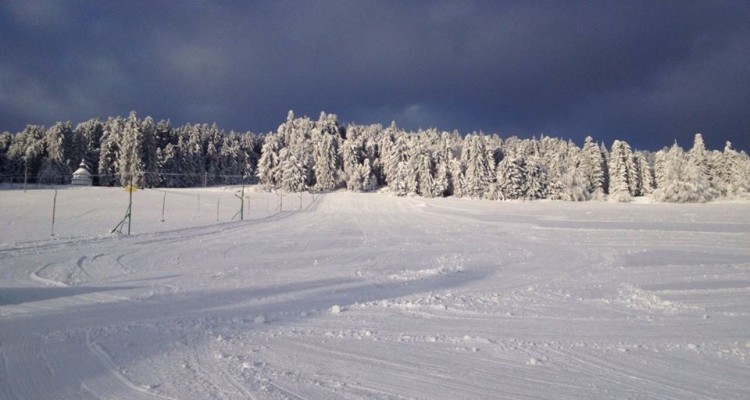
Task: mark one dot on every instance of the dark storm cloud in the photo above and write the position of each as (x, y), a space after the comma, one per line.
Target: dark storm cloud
(649, 73)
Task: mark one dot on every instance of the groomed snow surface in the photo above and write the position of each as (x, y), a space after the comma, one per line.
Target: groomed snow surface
(370, 296)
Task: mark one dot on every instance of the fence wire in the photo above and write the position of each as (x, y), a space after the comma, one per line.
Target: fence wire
(71, 211)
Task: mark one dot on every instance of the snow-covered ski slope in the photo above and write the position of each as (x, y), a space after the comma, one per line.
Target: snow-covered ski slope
(371, 296)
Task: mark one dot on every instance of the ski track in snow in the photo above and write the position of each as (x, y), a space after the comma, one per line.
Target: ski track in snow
(371, 296)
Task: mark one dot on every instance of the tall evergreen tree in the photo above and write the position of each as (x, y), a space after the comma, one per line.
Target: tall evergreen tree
(512, 178)
(478, 174)
(621, 171)
(56, 168)
(593, 167)
(269, 161)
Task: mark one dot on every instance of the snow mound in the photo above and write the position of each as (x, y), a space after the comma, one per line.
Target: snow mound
(639, 299)
(446, 265)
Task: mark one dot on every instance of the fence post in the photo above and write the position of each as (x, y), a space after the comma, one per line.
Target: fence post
(163, 203)
(54, 208)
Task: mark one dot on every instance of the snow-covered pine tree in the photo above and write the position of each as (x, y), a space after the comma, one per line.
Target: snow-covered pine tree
(593, 167)
(457, 180)
(326, 161)
(670, 172)
(536, 178)
(478, 175)
(698, 172)
(211, 142)
(292, 172)
(130, 166)
(645, 174)
(89, 135)
(396, 165)
(511, 178)
(5, 141)
(56, 167)
(620, 171)
(352, 153)
(232, 160)
(167, 163)
(268, 164)
(423, 171)
(109, 150)
(26, 153)
(151, 167)
(370, 181)
(733, 172)
(569, 183)
(302, 148)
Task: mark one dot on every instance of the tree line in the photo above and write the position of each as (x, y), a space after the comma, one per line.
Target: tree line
(321, 155)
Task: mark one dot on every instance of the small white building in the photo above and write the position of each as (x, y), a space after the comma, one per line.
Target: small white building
(82, 176)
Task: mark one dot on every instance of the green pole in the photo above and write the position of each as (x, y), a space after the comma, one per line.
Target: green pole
(130, 204)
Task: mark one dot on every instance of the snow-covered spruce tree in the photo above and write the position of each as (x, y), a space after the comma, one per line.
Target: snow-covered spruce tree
(233, 161)
(645, 174)
(422, 168)
(372, 135)
(26, 153)
(732, 172)
(5, 140)
(446, 147)
(109, 151)
(554, 155)
(352, 153)
(478, 174)
(302, 149)
(89, 135)
(370, 181)
(511, 178)
(605, 165)
(442, 177)
(572, 183)
(269, 161)
(661, 168)
(536, 178)
(326, 161)
(698, 172)
(211, 138)
(593, 166)
(56, 168)
(168, 159)
(293, 177)
(396, 165)
(130, 165)
(457, 179)
(621, 171)
(684, 177)
(670, 172)
(151, 167)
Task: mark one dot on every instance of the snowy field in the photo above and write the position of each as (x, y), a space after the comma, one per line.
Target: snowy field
(370, 296)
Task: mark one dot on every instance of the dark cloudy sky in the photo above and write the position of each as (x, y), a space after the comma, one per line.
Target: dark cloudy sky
(647, 72)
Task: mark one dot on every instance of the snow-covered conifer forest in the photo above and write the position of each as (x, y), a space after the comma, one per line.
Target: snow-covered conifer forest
(389, 275)
(322, 155)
